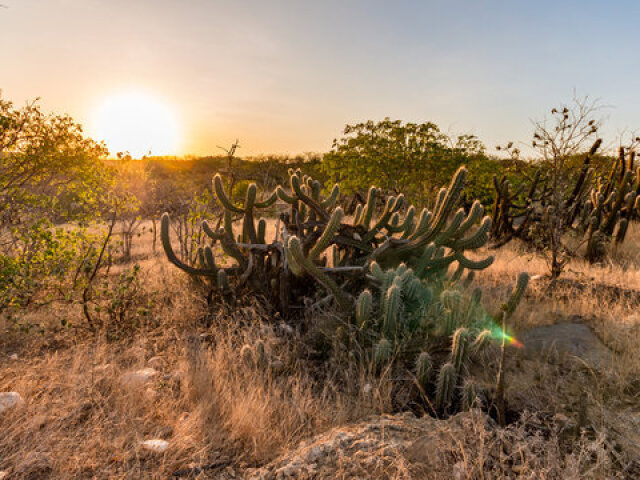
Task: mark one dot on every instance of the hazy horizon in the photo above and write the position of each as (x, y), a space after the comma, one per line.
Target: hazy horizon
(285, 76)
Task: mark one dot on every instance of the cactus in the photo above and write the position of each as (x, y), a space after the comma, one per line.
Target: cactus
(403, 277)
(459, 348)
(314, 225)
(593, 208)
(470, 396)
(447, 378)
(364, 308)
(382, 352)
(424, 368)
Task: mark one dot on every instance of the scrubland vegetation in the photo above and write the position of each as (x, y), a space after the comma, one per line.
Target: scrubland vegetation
(259, 317)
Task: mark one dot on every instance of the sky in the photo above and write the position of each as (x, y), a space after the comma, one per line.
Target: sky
(286, 76)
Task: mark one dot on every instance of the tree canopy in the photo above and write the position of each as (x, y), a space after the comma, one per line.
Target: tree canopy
(415, 158)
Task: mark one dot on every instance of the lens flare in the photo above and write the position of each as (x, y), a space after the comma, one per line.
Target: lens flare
(499, 334)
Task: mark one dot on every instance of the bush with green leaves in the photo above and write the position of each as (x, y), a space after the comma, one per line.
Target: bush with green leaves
(41, 263)
(404, 157)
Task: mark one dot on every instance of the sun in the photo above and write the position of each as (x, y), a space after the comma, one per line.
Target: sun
(136, 123)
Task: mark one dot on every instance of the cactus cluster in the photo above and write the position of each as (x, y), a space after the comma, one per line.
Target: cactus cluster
(401, 277)
(315, 244)
(596, 208)
(436, 325)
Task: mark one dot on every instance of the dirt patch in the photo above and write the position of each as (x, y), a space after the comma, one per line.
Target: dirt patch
(575, 339)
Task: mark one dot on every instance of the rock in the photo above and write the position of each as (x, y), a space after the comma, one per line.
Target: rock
(574, 339)
(155, 445)
(381, 447)
(10, 400)
(3, 475)
(138, 378)
(13, 356)
(157, 363)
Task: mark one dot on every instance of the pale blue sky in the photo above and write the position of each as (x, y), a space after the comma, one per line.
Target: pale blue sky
(285, 76)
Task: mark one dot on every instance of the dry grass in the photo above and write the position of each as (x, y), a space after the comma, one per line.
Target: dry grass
(80, 422)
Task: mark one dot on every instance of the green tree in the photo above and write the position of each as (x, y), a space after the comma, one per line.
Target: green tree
(414, 158)
(50, 174)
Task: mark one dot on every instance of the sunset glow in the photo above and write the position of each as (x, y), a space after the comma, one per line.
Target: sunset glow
(136, 123)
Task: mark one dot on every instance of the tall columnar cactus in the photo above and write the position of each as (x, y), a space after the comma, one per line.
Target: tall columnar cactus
(401, 275)
(599, 208)
(447, 379)
(316, 243)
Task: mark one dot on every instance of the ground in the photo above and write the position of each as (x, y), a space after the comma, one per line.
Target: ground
(90, 402)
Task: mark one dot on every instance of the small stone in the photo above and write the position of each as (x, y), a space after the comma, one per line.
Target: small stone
(13, 356)
(138, 378)
(4, 475)
(155, 445)
(10, 400)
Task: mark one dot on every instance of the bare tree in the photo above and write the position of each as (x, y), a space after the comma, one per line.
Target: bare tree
(569, 132)
(231, 151)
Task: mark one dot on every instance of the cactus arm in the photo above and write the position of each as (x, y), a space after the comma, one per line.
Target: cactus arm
(364, 308)
(262, 230)
(209, 259)
(451, 230)
(477, 239)
(447, 379)
(222, 195)
(209, 231)
(171, 256)
(270, 200)
(473, 265)
(450, 199)
(329, 231)
(475, 214)
(284, 196)
(331, 200)
(320, 211)
(423, 224)
(248, 226)
(310, 268)
(357, 217)
(516, 295)
(408, 226)
(370, 207)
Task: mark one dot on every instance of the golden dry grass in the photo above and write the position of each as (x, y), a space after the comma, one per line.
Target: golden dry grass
(81, 422)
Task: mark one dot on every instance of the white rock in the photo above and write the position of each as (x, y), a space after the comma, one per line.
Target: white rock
(138, 378)
(155, 445)
(13, 356)
(9, 400)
